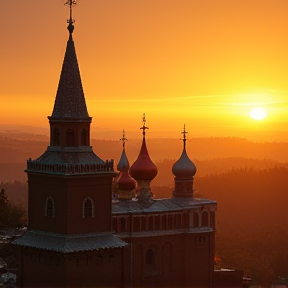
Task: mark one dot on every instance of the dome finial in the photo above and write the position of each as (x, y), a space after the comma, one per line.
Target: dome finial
(184, 132)
(144, 125)
(123, 139)
(70, 21)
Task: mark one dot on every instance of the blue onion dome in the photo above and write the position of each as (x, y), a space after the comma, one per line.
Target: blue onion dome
(123, 164)
(184, 168)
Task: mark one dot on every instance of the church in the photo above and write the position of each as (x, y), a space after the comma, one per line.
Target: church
(90, 226)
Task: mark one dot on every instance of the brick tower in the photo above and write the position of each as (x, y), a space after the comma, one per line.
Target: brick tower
(69, 218)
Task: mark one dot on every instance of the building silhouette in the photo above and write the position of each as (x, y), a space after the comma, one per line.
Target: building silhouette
(80, 236)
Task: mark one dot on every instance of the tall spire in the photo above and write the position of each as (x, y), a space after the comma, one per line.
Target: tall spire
(70, 102)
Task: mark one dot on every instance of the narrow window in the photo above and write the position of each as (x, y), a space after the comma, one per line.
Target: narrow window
(88, 208)
(49, 208)
(150, 257)
(56, 137)
(196, 219)
(205, 219)
(123, 224)
(84, 137)
(70, 137)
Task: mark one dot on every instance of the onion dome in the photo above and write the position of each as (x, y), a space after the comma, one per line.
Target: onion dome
(123, 164)
(143, 168)
(125, 181)
(184, 168)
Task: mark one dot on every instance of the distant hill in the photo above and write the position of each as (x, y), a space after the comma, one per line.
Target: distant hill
(211, 155)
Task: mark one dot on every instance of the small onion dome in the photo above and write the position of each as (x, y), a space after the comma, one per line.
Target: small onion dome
(184, 168)
(123, 164)
(125, 182)
(143, 168)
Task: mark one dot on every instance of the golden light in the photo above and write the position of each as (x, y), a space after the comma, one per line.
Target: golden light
(258, 113)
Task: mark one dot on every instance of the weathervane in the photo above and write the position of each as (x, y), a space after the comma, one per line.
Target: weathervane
(70, 20)
(123, 139)
(184, 132)
(144, 125)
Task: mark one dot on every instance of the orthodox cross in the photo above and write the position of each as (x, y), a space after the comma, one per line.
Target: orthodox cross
(144, 125)
(184, 132)
(123, 139)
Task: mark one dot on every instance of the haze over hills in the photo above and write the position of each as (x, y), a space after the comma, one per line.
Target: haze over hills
(211, 155)
(271, 132)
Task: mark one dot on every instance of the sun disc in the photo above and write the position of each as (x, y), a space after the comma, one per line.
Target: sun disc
(258, 113)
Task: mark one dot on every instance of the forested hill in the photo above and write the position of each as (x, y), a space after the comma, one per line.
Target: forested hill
(209, 154)
(16, 147)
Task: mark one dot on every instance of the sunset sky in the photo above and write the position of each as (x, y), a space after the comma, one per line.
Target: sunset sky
(205, 63)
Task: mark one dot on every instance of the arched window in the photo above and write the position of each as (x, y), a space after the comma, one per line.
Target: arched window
(195, 219)
(70, 137)
(88, 208)
(205, 219)
(150, 258)
(212, 219)
(56, 137)
(49, 207)
(84, 137)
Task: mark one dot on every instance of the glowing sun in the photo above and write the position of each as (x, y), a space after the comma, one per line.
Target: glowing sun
(258, 113)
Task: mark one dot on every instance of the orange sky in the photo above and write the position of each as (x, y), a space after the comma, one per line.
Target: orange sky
(205, 63)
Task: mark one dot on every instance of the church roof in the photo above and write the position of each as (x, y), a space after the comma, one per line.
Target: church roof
(159, 205)
(70, 101)
(69, 243)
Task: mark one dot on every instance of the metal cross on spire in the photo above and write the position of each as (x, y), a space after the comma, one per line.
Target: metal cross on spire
(70, 20)
(144, 125)
(184, 132)
(123, 139)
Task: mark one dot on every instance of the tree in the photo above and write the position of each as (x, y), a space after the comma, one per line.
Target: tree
(10, 215)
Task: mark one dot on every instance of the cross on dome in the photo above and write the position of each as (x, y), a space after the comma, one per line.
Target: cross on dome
(184, 132)
(123, 139)
(144, 125)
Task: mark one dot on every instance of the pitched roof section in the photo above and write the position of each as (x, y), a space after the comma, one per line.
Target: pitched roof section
(160, 205)
(69, 243)
(70, 101)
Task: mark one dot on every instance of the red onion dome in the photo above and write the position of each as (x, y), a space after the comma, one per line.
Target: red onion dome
(123, 164)
(143, 168)
(125, 182)
(184, 168)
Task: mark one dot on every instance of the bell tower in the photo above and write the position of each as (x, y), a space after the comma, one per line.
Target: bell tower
(69, 193)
